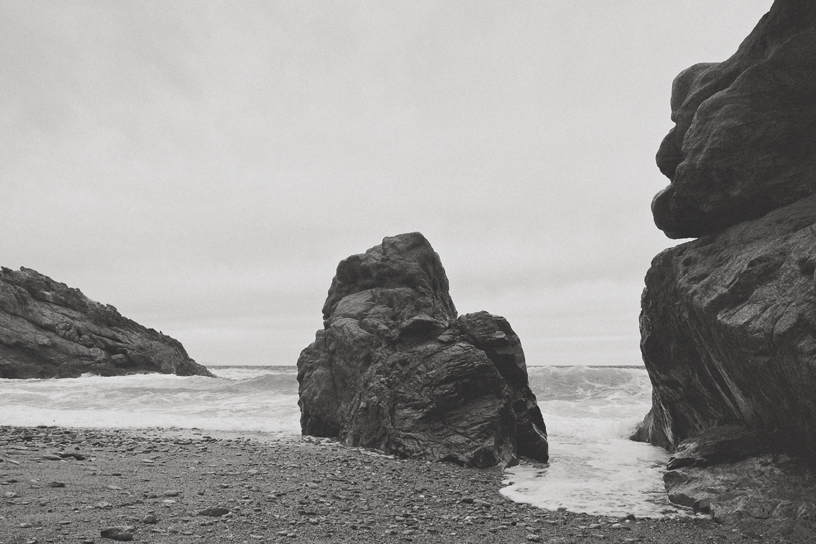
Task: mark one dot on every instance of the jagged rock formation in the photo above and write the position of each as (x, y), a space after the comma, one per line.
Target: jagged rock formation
(745, 136)
(49, 330)
(396, 370)
(728, 322)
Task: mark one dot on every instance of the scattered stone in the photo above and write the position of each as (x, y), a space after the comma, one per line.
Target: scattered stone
(172, 493)
(52, 457)
(67, 455)
(120, 532)
(214, 512)
(56, 484)
(150, 519)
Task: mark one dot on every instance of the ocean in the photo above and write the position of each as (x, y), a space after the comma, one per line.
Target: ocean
(589, 412)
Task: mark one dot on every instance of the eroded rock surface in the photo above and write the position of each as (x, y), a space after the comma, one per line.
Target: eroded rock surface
(745, 136)
(728, 331)
(395, 369)
(772, 494)
(49, 330)
(728, 322)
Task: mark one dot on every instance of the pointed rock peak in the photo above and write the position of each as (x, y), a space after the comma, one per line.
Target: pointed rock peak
(393, 369)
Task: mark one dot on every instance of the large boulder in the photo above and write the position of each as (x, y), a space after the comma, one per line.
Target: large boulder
(728, 331)
(50, 330)
(744, 140)
(395, 369)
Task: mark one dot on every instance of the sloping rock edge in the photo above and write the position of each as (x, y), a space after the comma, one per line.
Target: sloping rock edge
(50, 330)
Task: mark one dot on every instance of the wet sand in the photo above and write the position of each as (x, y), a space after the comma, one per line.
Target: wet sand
(68, 485)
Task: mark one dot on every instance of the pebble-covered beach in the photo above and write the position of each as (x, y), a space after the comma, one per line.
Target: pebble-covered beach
(72, 485)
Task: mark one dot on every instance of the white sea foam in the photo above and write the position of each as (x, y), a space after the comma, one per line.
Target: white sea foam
(265, 402)
(590, 412)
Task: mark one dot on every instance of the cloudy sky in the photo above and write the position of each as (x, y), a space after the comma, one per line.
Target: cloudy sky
(203, 166)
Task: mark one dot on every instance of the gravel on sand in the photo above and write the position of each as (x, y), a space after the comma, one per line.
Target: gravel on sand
(74, 485)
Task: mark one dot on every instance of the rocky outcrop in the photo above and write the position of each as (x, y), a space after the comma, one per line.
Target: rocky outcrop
(728, 322)
(739, 476)
(49, 330)
(772, 494)
(396, 370)
(744, 140)
(728, 331)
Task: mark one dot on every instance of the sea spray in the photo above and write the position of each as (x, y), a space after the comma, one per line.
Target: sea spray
(241, 399)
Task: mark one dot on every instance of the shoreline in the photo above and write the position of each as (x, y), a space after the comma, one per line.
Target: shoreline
(62, 484)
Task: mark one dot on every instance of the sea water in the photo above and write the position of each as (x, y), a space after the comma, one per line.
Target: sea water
(589, 412)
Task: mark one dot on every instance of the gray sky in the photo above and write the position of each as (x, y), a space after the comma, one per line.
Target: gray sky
(203, 166)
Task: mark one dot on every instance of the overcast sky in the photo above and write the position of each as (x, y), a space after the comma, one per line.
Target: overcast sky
(203, 166)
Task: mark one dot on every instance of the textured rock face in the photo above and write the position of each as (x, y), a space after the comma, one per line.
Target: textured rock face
(771, 494)
(49, 330)
(728, 329)
(395, 369)
(728, 322)
(745, 136)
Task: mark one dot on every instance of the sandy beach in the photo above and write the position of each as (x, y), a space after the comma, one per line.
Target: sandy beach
(68, 485)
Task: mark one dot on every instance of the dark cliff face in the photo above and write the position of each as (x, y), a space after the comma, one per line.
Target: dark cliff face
(395, 369)
(745, 136)
(49, 330)
(728, 331)
(728, 322)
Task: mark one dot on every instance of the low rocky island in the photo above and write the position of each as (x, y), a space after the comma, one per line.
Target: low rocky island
(396, 369)
(50, 330)
(728, 322)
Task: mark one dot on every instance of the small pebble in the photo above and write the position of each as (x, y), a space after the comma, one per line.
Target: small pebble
(120, 532)
(215, 512)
